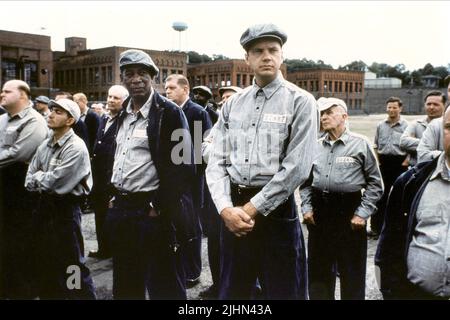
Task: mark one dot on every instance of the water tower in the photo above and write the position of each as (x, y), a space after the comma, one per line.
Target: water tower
(180, 27)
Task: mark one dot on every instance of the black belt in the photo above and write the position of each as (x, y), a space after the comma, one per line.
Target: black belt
(133, 196)
(244, 192)
(336, 196)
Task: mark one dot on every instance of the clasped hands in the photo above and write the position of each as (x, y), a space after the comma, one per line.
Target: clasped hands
(240, 220)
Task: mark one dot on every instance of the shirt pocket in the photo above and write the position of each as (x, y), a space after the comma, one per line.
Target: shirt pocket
(345, 172)
(429, 225)
(10, 137)
(396, 138)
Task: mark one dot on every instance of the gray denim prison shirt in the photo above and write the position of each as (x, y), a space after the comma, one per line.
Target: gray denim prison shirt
(432, 142)
(61, 167)
(133, 169)
(21, 135)
(387, 137)
(347, 165)
(264, 138)
(411, 137)
(429, 251)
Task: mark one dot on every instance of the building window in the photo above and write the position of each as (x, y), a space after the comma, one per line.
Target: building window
(210, 81)
(204, 80)
(173, 71)
(30, 73)
(78, 81)
(91, 76)
(164, 75)
(244, 80)
(97, 76)
(72, 77)
(110, 75)
(216, 80)
(104, 75)
(9, 70)
(180, 71)
(238, 80)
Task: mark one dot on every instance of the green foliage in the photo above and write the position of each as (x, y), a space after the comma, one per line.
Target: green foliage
(354, 66)
(293, 65)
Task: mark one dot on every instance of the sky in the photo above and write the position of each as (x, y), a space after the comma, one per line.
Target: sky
(338, 32)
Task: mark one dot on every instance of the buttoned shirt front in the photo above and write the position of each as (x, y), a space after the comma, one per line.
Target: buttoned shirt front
(134, 170)
(263, 138)
(429, 251)
(61, 167)
(347, 165)
(21, 135)
(387, 137)
(410, 138)
(109, 121)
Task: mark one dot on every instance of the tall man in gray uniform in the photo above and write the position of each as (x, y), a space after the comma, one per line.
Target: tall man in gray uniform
(22, 130)
(146, 222)
(390, 156)
(434, 108)
(261, 152)
(60, 173)
(334, 207)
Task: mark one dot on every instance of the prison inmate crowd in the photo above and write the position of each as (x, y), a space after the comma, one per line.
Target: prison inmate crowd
(161, 171)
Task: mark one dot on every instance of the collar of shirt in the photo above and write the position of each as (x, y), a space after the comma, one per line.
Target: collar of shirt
(144, 109)
(61, 140)
(441, 169)
(22, 113)
(269, 89)
(110, 118)
(423, 122)
(184, 103)
(344, 138)
(400, 120)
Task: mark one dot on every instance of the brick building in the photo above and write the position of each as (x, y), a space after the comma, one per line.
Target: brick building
(342, 84)
(216, 74)
(94, 71)
(27, 57)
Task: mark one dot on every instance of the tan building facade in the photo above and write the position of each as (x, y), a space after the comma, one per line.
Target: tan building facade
(216, 74)
(27, 57)
(342, 84)
(94, 71)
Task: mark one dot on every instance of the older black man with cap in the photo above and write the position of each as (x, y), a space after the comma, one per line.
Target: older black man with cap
(260, 154)
(60, 174)
(203, 96)
(152, 170)
(334, 207)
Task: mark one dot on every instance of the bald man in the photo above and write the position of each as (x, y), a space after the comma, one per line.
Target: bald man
(22, 130)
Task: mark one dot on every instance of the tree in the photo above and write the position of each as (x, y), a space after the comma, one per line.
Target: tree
(297, 64)
(195, 57)
(216, 57)
(354, 66)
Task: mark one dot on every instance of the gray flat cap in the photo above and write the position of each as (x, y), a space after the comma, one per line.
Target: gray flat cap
(203, 89)
(42, 99)
(70, 106)
(231, 88)
(134, 56)
(260, 31)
